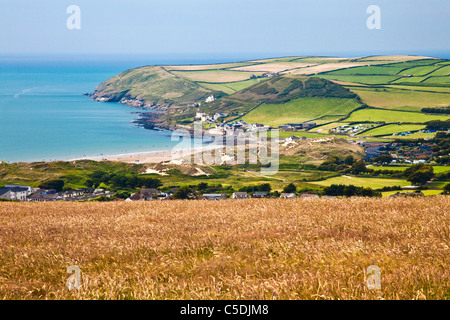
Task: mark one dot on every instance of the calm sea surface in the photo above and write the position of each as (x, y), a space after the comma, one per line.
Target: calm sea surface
(45, 116)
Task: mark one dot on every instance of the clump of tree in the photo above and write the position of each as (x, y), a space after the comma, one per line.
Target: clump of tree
(184, 192)
(442, 147)
(438, 125)
(419, 174)
(336, 164)
(58, 185)
(290, 188)
(260, 187)
(447, 189)
(383, 158)
(359, 167)
(341, 190)
(121, 181)
(445, 110)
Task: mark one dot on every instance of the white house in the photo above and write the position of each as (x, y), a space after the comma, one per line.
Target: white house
(210, 99)
(14, 193)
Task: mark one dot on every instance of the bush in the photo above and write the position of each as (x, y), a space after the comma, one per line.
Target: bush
(419, 174)
(58, 185)
(290, 188)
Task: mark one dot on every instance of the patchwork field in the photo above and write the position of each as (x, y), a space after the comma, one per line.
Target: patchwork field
(372, 79)
(300, 110)
(437, 169)
(391, 129)
(374, 183)
(219, 76)
(425, 192)
(391, 98)
(244, 249)
(230, 87)
(391, 116)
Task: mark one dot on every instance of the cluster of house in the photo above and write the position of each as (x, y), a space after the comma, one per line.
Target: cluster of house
(408, 154)
(297, 126)
(405, 134)
(350, 130)
(265, 75)
(27, 193)
(209, 118)
(154, 194)
(407, 194)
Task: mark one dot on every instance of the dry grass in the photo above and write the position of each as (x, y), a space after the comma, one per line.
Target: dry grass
(272, 67)
(244, 249)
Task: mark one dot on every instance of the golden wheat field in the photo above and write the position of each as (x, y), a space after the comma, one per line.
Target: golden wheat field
(231, 249)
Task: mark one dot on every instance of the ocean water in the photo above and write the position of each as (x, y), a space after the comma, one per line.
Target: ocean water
(45, 116)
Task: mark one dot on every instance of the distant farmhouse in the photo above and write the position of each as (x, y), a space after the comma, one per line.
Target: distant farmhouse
(214, 196)
(240, 195)
(297, 126)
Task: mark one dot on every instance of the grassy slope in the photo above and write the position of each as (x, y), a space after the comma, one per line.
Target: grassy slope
(392, 128)
(300, 110)
(391, 116)
(391, 98)
(375, 183)
(153, 84)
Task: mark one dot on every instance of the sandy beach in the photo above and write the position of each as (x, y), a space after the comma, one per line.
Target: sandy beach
(150, 156)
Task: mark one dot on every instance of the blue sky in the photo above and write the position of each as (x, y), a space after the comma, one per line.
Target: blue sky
(272, 27)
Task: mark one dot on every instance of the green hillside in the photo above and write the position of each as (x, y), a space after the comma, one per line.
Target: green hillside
(153, 85)
(301, 110)
(326, 90)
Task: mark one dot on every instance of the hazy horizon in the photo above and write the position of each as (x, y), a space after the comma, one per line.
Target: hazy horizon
(225, 29)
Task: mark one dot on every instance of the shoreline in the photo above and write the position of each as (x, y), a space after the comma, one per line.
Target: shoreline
(156, 156)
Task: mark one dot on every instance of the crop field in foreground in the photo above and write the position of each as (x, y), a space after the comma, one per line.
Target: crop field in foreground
(232, 249)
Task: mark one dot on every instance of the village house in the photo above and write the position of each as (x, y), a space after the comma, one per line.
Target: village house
(210, 99)
(260, 194)
(214, 196)
(309, 196)
(288, 195)
(240, 195)
(40, 197)
(408, 194)
(150, 194)
(15, 192)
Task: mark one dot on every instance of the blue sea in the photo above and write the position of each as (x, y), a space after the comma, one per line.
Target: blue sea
(44, 115)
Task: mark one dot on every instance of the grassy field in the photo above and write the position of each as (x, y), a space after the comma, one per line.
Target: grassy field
(420, 71)
(437, 169)
(375, 183)
(372, 79)
(372, 70)
(419, 88)
(244, 249)
(391, 116)
(445, 71)
(230, 87)
(441, 80)
(425, 192)
(300, 110)
(417, 135)
(392, 128)
(392, 98)
(218, 76)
